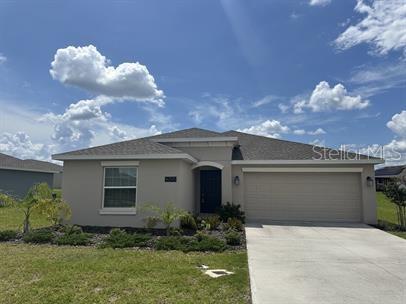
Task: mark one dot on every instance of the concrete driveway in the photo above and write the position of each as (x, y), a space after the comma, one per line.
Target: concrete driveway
(310, 264)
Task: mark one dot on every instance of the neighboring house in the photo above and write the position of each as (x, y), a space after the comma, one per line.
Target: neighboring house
(18, 175)
(198, 170)
(384, 175)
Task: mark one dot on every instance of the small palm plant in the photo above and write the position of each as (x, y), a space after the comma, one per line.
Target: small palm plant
(167, 214)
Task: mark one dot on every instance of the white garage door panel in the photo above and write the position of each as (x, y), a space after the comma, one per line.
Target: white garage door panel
(303, 196)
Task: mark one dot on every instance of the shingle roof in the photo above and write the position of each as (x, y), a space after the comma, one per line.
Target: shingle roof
(129, 147)
(255, 147)
(390, 171)
(251, 147)
(10, 162)
(188, 133)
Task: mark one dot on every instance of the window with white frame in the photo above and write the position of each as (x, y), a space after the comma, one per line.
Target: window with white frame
(120, 187)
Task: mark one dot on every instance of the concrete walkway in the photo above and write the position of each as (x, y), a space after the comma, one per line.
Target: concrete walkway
(308, 264)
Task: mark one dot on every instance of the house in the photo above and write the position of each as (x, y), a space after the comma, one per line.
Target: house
(199, 170)
(386, 174)
(18, 175)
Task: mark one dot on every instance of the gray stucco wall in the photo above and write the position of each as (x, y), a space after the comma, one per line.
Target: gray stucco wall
(17, 182)
(83, 189)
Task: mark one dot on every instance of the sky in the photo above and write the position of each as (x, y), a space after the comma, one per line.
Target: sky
(75, 74)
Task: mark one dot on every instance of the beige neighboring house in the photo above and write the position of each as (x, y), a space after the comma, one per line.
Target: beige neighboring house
(198, 170)
(386, 174)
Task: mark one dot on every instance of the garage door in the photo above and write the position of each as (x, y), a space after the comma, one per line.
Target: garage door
(303, 196)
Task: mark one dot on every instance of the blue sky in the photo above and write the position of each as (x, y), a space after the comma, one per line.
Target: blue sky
(315, 71)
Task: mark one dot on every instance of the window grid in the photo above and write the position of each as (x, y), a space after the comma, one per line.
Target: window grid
(116, 178)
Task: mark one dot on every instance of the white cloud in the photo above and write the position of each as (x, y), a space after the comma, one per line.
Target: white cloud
(396, 149)
(86, 68)
(117, 133)
(3, 58)
(263, 101)
(21, 146)
(384, 26)
(379, 78)
(84, 124)
(268, 128)
(319, 2)
(299, 132)
(398, 124)
(318, 131)
(325, 98)
(284, 108)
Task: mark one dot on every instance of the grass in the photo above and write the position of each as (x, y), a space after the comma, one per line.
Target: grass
(387, 215)
(11, 218)
(50, 274)
(66, 274)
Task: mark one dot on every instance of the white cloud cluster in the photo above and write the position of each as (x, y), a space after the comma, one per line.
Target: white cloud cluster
(398, 124)
(84, 124)
(319, 2)
(396, 149)
(20, 145)
(325, 98)
(3, 58)
(384, 26)
(268, 128)
(86, 68)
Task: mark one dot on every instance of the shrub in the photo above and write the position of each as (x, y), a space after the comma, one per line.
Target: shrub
(230, 210)
(181, 243)
(396, 192)
(141, 240)
(7, 235)
(200, 235)
(233, 224)
(38, 236)
(187, 221)
(120, 239)
(209, 243)
(233, 238)
(70, 229)
(73, 239)
(213, 222)
(187, 244)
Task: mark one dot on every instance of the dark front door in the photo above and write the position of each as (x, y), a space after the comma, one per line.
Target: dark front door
(210, 190)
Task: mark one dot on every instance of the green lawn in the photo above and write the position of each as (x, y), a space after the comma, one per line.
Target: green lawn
(51, 274)
(12, 218)
(387, 215)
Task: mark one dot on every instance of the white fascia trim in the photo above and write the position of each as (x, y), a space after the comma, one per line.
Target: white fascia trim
(119, 163)
(208, 163)
(124, 157)
(117, 211)
(307, 162)
(300, 169)
(29, 170)
(194, 139)
(387, 176)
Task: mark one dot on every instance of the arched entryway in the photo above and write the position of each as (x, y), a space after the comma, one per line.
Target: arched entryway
(208, 186)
